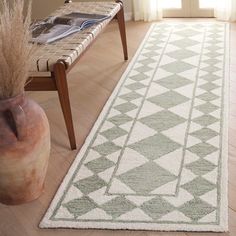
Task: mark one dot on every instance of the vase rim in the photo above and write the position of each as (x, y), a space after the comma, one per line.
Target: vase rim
(10, 102)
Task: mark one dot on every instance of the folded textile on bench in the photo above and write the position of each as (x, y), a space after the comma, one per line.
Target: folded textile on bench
(58, 27)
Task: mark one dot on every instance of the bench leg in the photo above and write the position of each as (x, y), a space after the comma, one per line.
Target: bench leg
(121, 22)
(62, 88)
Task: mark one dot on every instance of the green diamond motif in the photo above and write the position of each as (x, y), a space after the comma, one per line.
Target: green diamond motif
(159, 34)
(181, 54)
(199, 186)
(156, 35)
(207, 107)
(208, 97)
(155, 146)
(196, 209)
(174, 82)
(213, 48)
(106, 148)
(139, 77)
(213, 54)
(157, 40)
(210, 77)
(114, 133)
(157, 207)
(81, 206)
(162, 120)
(90, 184)
(180, 26)
(209, 86)
(202, 149)
(143, 69)
(150, 54)
(137, 178)
(201, 167)
(126, 107)
(205, 120)
(177, 67)
(183, 43)
(118, 206)
(120, 119)
(211, 69)
(99, 165)
(214, 36)
(135, 86)
(187, 32)
(168, 99)
(213, 41)
(211, 61)
(153, 48)
(130, 96)
(149, 60)
(204, 134)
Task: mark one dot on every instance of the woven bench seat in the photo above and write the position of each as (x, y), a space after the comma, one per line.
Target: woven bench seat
(71, 47)
(52, 62)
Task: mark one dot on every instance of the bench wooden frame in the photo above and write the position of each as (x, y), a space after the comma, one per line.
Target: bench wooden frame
(58, 79)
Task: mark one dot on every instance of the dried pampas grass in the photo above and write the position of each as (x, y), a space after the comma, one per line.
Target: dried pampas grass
(15, 50)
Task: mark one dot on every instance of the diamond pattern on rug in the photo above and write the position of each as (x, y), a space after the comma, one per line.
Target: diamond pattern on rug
(208, 97)
(114, 133)
(106, 148)
(162, 120)
(126, 107)
(168, 99)
(90, 184)
(196, 209)
(155, 159)
(155, 146)
(136, 178)
(99, 165)
(118, 206)
(174, 82)
(205, 120)
(184, 43)
(156, 213)
(204, 134)
(187, 33)
(79, 207)
(206, 186)
(202, 149)
(177, 67)
(181, 54)
(201, 167)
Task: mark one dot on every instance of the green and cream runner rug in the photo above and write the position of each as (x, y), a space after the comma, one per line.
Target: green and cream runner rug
(156, 158)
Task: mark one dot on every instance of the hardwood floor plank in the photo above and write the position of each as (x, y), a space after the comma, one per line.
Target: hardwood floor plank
(10, 224)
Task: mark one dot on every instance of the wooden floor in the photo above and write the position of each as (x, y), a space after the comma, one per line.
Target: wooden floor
(91, 83)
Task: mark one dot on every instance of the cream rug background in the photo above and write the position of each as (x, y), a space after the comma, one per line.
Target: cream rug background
(156, 159)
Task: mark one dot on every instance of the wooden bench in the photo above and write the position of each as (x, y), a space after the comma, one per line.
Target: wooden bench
(54, 61)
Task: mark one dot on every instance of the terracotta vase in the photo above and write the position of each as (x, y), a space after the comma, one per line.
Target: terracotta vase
(24, 150)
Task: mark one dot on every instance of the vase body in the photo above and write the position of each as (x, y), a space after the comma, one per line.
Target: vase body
(24, 150)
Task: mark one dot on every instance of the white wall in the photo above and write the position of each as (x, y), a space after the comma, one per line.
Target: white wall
(128, 9)
(42, 8)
